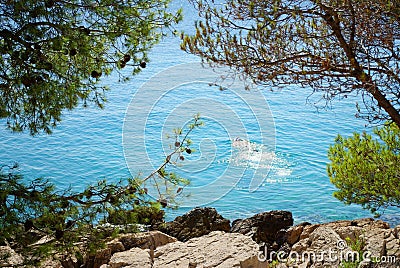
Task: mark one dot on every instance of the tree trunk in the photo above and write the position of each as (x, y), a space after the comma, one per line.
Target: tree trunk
(380, 98)
(358, 72)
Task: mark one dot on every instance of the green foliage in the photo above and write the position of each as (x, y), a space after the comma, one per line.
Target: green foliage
(175, 184)
(334, 47)
(75, 224)
(148, 215)
(366, 170)
(53, 53)
(35, 210)
(274, 263)
(349, 264)
(357, 247)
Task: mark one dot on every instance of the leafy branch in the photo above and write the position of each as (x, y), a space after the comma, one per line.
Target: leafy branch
(39, 220)
(181, 145)
(365, 170)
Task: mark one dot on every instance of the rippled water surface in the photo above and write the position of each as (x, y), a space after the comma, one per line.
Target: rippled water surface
(88, 145)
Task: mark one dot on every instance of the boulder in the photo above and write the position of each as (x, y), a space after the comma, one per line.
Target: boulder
(101, 257)
(264, 227)
(349, 232)
(73, 262)
(147, 240)
(195, 223)
(339, 237)
(393, 246)
(396, 231)
(314, 250)
(217, 249)
(123, 243)
(375, 241)
(133, 258)
(307, 230)
(292, 234)
(50, 262)
(115, 246)
(365, 223)
(9, 258)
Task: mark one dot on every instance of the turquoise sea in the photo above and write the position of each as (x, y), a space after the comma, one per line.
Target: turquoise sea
(288, 134)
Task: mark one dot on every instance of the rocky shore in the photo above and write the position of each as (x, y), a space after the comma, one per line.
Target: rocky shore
(203, 238)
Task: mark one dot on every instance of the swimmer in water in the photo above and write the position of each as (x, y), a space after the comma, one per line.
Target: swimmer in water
(241, 143)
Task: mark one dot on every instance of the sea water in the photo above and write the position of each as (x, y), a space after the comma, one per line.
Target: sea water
(280, 166)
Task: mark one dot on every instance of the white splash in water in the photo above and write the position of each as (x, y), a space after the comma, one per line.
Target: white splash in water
(258, 156)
